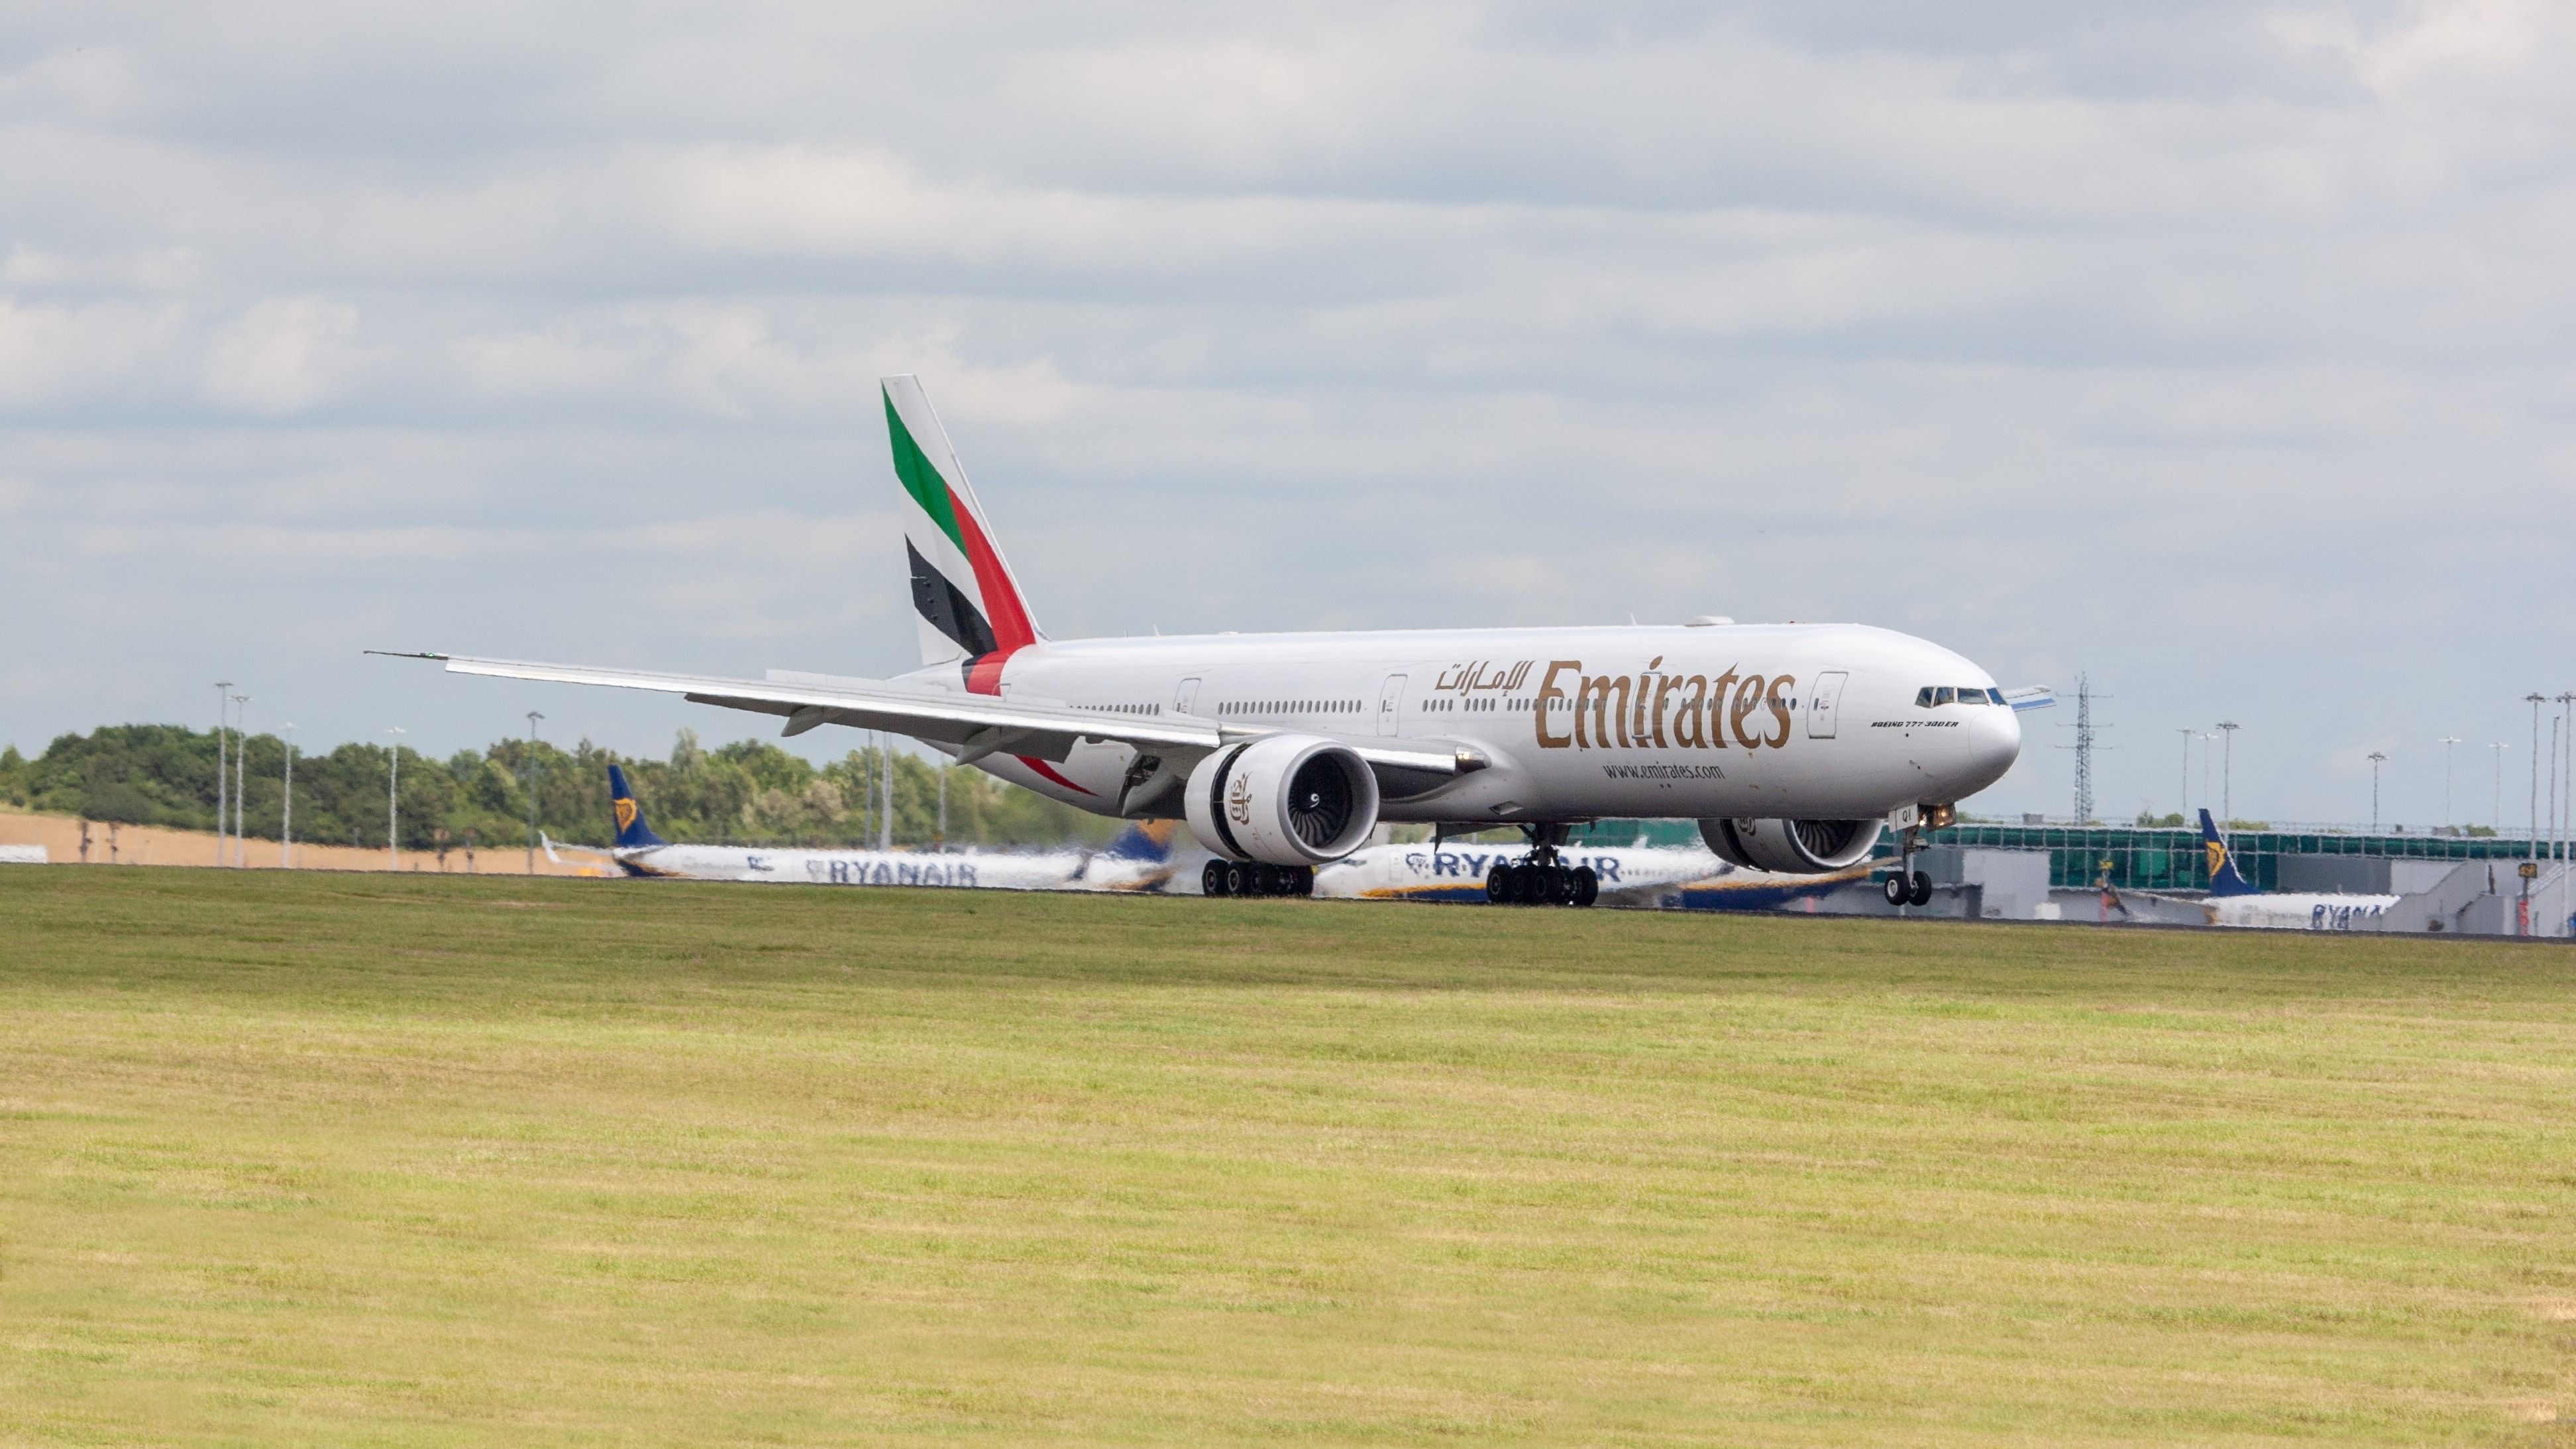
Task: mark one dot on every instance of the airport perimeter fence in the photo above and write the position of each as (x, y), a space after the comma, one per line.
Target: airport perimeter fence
(2139, 857)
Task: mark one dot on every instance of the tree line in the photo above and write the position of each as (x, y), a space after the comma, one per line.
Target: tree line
(749, 793)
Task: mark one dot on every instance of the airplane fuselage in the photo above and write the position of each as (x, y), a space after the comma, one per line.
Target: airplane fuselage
(956, 870)
(1823, 721)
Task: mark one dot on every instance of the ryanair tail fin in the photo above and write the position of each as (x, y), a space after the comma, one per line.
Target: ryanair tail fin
(2224, 878)
(631, 829)
(969, 608)
(1145, 840)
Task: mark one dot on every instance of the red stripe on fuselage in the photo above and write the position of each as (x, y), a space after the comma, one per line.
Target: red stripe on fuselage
(1046, 771)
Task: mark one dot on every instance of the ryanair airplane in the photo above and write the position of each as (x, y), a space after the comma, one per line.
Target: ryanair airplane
(1661, 877)
(1140, 859)
(2233, 900)
(1794, 746)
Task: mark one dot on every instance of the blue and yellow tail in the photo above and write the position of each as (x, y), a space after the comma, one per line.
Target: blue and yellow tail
(1146, 840)
(2224, 878)
(631, 829)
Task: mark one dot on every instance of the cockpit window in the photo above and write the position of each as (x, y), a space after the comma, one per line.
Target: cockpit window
(1932, 696)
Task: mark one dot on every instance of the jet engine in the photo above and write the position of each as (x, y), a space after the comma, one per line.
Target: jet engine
(1289, 800)
(1792, 847)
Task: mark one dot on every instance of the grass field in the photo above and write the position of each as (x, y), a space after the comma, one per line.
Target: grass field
(384, 1160)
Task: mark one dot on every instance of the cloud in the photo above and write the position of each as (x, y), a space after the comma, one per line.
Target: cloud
(2218, 351)
(282, 356)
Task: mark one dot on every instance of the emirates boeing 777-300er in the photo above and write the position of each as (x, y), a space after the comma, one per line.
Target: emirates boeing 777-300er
(1794, 746)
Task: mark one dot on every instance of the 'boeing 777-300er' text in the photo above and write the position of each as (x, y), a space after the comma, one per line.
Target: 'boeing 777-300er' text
(1795, 746)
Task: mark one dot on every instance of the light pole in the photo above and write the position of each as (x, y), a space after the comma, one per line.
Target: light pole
(2531, 848)
(2497, 749)
(2204, 765)
(241, 780)
(2376, 760)
(885, 816)
(2446, 742)
(533, 717)
(223, 763)
(2186, 774)
(2227, 774)
(286, 815)
(2567, 798)
(393, 801)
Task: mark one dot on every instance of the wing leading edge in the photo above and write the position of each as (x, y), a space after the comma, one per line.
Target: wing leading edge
(977, 725)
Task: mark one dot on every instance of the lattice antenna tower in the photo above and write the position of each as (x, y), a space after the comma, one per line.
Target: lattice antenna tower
(2084, 746)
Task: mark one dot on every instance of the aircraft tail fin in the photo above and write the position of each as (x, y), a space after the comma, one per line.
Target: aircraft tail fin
(2224, 878)
(1145, 840)
(967, 604)
(631, 829)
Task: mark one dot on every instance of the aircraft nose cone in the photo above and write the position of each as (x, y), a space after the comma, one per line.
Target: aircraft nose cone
(1994, 743)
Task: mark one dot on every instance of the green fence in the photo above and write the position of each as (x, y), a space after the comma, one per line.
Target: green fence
(2136, 857)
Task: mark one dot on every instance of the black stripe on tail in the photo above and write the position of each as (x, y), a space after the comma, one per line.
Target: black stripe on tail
(947, 607)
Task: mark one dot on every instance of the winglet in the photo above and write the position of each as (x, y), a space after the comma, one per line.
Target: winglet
(2224, 878)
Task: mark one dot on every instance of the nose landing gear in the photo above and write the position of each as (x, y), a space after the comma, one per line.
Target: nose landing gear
(1908, 887)
(1542, 878)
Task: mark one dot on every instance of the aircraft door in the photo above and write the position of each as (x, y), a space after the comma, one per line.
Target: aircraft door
(1824, 703)
(1186, 699)
(1390, 704)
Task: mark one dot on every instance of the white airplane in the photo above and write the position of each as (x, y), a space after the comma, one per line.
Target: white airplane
(1140, 859)
(1793, 745)
(1665, 878)
(2233, 900)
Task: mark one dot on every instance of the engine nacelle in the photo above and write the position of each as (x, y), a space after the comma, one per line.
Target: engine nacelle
(1792, 847)
(1283, 799)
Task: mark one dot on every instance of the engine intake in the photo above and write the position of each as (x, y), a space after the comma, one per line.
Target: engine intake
(1283, 800)
(1792, 847)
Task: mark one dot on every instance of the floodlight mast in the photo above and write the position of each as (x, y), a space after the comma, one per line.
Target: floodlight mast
(286, 813)
(393, 801)
(223, 763)
(2187, 735)
(241, 785)
(2496, 817)
(2446, 742)
(2531, 847)
(533, 717)
(2227, 772)
(2376, 760)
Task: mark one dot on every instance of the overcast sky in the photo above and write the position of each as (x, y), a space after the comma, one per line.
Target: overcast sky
(2221, 351)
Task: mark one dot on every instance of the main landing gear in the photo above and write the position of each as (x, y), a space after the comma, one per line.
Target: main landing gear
(1908, 887)
(1252, 878)
(1542, 878)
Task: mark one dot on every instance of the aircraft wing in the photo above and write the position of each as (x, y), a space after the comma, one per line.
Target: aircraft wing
(2033, 696)
(977, 724)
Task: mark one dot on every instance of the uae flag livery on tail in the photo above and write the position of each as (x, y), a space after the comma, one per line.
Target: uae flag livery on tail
(969, 607)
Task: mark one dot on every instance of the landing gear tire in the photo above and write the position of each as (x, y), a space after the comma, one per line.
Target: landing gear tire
(1560, 885)
(1587, 885)
(1896, 890)
(1498, 885)
(1920, 894)
(1239, 879)
(1212, 879)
